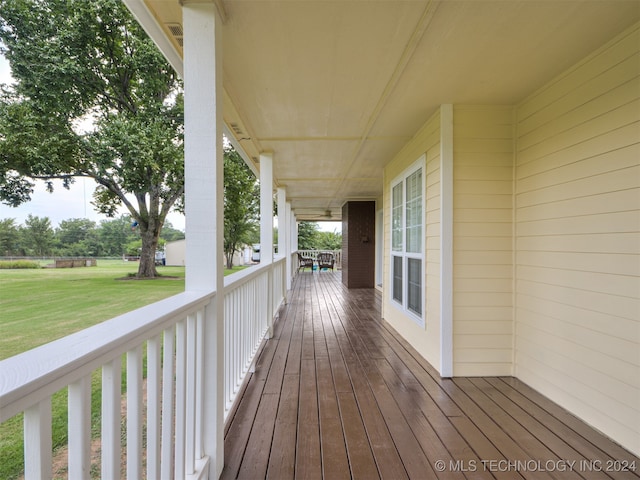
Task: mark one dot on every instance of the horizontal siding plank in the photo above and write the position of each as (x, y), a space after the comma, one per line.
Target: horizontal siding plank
(604, 142)
(468, 323)
(476, 285)
(608, 202)
(503, 188)
(604, 243)
(560, 171)
(614, 285)
(484, 355)
(481, 200)
(620, 95)
(481, 229)
(481, 271)
(623, 179)
(470, 145)
(487, 258)
(489, 159)
(481, 315)
(614, 222)
(484, 299)
(604, 59)
(618, 264)
(581, 342)
(580, 315)
(482, 244)
(499, 341)
(589, 391)
(623, 307)
(625, 72)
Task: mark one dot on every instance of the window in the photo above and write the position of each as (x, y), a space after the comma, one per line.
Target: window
(407, 238)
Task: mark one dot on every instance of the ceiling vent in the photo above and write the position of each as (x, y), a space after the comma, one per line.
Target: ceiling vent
(236, 128)
(176, 31)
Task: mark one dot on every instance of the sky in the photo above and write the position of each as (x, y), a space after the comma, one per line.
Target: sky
(65, 204)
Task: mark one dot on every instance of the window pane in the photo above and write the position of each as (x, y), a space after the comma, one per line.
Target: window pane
(396, 218)
(414, 212)
(397, 278)
(414, 291)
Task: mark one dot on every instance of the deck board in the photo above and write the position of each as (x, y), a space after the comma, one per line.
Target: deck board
(337, 393)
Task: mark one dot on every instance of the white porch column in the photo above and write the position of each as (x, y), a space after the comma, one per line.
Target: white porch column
(283, 223)
(266, 208)
(204, 205)
(266, 227)
(446, 240)
(294, 234)
(290, 223)
(284, 236)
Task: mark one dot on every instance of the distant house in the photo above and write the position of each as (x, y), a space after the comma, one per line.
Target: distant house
(175, 252)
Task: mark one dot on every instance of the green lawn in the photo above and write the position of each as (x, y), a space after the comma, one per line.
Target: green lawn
(39, 306)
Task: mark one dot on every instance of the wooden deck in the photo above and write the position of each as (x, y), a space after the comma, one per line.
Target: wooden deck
(337, 394)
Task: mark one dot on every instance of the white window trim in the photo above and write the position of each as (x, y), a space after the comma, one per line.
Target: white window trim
(420, 163)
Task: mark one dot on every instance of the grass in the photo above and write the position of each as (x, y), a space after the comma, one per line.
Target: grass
(39, 306)
(42, 305)
(11, 264)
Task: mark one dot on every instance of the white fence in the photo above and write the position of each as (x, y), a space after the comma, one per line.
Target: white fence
(247, 304)
(172, 332)
(337, 255)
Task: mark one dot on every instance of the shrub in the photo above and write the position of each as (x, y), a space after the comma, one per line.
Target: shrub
(6, 264)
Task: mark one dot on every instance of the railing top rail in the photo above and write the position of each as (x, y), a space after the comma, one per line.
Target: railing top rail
(31, 376)
(243, 276)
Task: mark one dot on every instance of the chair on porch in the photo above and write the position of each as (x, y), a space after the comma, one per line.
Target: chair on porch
(304, 262)
(325, 260)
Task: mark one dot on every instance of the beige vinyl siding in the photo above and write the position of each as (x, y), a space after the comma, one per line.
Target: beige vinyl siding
(577, 220)
(426, 340)
(483, 240)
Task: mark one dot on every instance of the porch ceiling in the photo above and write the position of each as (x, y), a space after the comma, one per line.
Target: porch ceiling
(335, 88)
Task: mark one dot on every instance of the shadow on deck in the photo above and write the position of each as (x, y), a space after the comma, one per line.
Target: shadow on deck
(337, 394)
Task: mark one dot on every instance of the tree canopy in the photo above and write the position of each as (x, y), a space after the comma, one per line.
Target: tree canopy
(93, 98)
(310, 237)
(75, 237)
(241, 204)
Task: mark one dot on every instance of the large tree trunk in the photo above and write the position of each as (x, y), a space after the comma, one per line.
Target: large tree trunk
(147, 266)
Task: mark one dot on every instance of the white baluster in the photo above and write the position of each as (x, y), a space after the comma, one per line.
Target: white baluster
(166, 470)
(37, 441)
(111, 396)
(80, 428)
(153, 407)
(134, 413)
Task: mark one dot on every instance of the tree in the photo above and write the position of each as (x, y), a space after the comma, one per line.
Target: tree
(9, 237)
(307, 233)
(78, 237)
(241, 203)
(39, 235)
(170, 234)
(328, 241)
(114, 235)
(93, 98)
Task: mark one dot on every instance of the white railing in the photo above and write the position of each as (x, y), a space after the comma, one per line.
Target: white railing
(337, 255)
(247, 302)
(172, 333)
